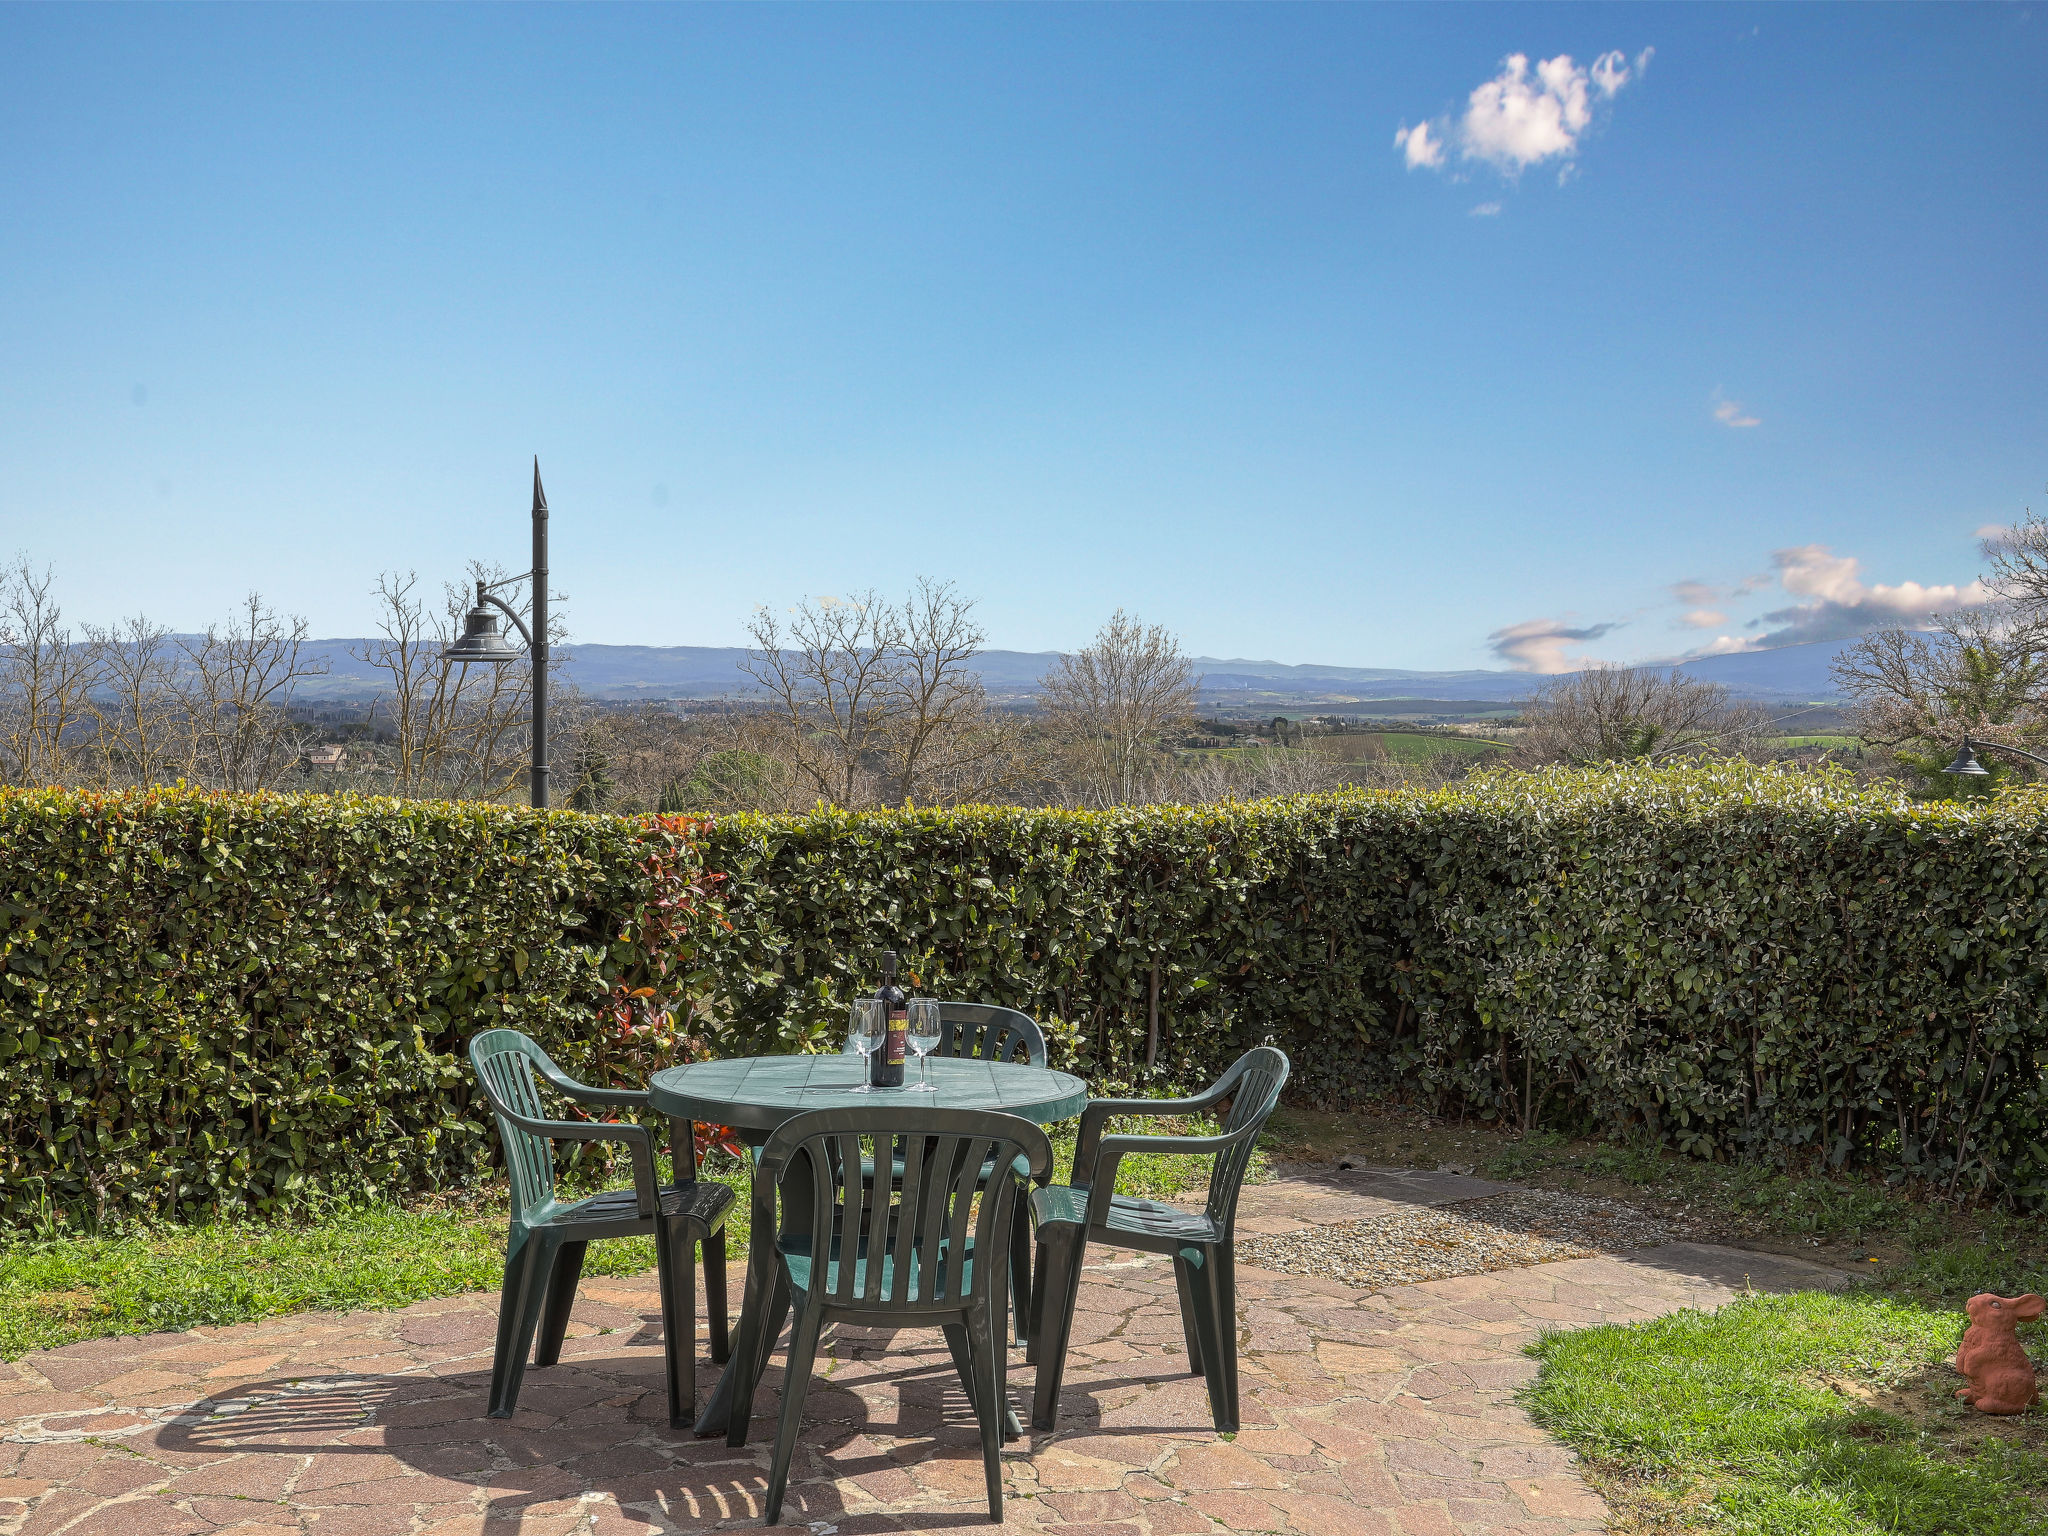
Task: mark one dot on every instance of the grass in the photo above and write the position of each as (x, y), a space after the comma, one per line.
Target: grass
(59, 1287)
(1802, 1415)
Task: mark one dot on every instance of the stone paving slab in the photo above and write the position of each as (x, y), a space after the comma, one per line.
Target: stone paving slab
(1327, 1196)
(1365, 1414)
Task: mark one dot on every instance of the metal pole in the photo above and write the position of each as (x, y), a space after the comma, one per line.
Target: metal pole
(1999, 746)
(539, 648)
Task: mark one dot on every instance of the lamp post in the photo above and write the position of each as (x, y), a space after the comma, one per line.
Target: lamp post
(484, 642)
(1966, 757)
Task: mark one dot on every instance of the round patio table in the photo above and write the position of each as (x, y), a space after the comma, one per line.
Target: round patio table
(755, 1094)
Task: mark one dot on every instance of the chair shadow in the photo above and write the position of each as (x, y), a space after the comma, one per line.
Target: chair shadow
(596, 1426)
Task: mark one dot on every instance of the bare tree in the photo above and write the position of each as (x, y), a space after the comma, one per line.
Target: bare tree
(947, 745)
(829, 676)
(881, 704)
(1112, 702)
(1978, 672)
(642, 752)
(143, 733)
(1648, 714)
(2019, 569)
(456, 732)
(235, 688)
(46, 680)
(745, 767)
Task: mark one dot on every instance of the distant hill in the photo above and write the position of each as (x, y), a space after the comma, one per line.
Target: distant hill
(710, 672)
(1789, 672)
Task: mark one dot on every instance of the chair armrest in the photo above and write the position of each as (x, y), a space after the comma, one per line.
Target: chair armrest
(638, 1139)
(1113, 1149)
(637, 1098)
(1099, 1111)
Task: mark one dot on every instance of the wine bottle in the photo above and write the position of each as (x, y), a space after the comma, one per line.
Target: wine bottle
(885, 1067)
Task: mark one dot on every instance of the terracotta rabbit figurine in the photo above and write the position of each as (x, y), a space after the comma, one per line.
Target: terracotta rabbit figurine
(1992, 1360)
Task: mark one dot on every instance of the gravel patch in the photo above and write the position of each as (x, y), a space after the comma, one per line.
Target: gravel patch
(1470, 1237)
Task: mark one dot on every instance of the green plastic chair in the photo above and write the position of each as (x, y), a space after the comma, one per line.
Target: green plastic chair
(988, 1032)
(924, 1253)
(544, 1251)
(1203, 1246)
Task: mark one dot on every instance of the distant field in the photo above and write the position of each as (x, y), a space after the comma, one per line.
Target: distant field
(1406, 746)
(1820, 741)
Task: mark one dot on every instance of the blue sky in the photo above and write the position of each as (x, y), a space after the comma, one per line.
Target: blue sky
(1080, 308)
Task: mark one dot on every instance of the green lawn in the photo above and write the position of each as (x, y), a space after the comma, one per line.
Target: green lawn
(1804, 1415)
(61, 1287)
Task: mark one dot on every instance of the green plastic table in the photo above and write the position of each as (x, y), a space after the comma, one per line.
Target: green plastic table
(755, 1094)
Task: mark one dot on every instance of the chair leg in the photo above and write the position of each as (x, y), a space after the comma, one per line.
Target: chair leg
(1215, 1290)
(678, 1273)
(985, 1333)
(1182, 1279)
(554, 1321)
(1226, 1328)
(750, 1370)
(963, 1362)
(714, 1295)
(1006, 1416)
(518, 1304)
(1020, 1270)
(1060, 1250)
(796, 1377)
(1035, 1323)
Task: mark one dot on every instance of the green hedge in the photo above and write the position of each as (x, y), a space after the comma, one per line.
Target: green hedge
(216, 1003)
(1731, 961)
(219, 1003)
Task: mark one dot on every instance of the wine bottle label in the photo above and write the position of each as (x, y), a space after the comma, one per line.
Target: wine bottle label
(899, 1032)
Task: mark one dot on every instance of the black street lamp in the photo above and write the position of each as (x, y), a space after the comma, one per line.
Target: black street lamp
(1966, 757)
(483, 641)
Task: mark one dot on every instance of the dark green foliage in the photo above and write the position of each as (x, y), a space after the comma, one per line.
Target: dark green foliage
(218, 1004)
(214, 1003)
(1736, 962)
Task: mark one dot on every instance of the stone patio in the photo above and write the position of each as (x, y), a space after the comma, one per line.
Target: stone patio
(1365, 1413)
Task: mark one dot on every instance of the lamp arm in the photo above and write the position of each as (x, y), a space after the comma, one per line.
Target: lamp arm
(1999, 746)
(506, 608)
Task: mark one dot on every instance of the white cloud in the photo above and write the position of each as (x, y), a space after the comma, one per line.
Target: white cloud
(1486, 211)
(1525, 114)
(1539, 645)
(1515, 121)
(1421, 146)
(1731, 414)
(1703, 618)
(1610, 72)
(1840, 604)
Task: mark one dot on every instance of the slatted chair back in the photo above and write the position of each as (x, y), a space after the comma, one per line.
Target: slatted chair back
(1260, 1074)
(910, 1248)
(505, 1062)
(985, 1032)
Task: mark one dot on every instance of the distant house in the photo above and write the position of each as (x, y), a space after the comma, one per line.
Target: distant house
(329, 757)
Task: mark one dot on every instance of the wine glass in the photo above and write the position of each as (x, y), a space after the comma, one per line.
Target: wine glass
(867, 1026)
(925, 1027)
